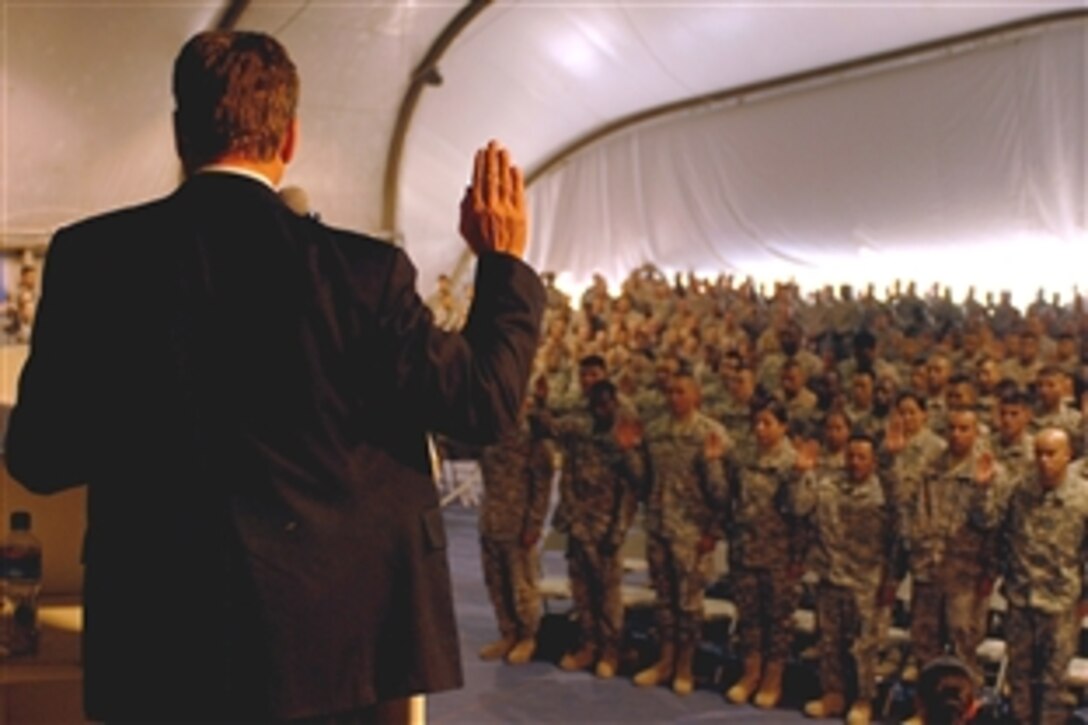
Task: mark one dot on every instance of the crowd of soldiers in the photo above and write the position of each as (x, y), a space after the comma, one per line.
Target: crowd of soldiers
(863, 441)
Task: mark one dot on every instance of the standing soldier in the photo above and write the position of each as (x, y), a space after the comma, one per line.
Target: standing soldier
(854, 538)
(1045, 524)
(596, 507)
(938, 371)
(681, 470)
(1012, 445)
(914, 446)
(735, 413)
(952, 557)
(801, 403)
(1053, 412)
(517, 475)
(766, 558)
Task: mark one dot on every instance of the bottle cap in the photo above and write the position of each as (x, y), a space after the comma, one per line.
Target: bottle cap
(20, 521)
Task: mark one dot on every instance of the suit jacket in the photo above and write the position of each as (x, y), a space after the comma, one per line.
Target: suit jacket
(245, 392)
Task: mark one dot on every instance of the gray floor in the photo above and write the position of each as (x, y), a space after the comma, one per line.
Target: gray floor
(540, 692)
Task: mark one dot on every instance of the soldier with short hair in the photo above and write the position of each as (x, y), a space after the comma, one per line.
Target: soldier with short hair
(517, 477)
(681, 470)
(1052, 411)
(1044, 521)
(1024, 367)
(1012, 445)
(801, 403)
(596, 508)
(952, 557)
(938, 371)
(852, 520)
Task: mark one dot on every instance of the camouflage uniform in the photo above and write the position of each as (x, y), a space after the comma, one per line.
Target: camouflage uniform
(854, 532)
(770, 369)
(1046, 535)
(764, 549)
(908, 467)
(685, 497)
(651, 404)
(596, 507)
(517, 485)
(951, 556)
(1023, 375)
(803, 408)
(1066, 419)
(737, 419)
(864, 421)
(1017, 457)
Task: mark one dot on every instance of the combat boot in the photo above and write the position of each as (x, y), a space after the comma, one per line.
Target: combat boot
(684, 681)
(830, 705)
(608, 664)
(497, 649)
(744, 687)
(770, 689)
(579, 660)
(522, 652)
(910, 672)
(861, 713)
(660, 671)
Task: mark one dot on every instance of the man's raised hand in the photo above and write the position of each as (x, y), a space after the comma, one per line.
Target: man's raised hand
(494, 213)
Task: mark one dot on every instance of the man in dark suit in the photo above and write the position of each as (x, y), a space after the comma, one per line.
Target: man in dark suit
(246, 392)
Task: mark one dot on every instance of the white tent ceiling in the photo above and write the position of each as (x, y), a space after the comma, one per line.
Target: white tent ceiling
(85, 106)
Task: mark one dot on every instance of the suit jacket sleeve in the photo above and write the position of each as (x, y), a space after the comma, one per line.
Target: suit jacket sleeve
(47, 447)
(468, 385)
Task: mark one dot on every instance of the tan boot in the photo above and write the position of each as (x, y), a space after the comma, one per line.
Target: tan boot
(579, 660)
(861, 713)
(830, 705)
(748, 682)
(497, 649)
(607, 665)
(910, 672)
(770, 688)
(522, 652)
(660, 671)
(684, 681)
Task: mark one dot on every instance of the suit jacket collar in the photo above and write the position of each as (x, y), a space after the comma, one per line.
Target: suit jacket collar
(218, 184)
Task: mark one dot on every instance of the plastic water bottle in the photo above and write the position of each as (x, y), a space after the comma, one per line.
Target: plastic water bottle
(22, 582)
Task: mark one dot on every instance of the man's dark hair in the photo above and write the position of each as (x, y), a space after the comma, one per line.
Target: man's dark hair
(859, 437)
(864, 340)
(917, 397)
(592, 361)
(772, 406)
(1049, 371)
(1015, 397)
(602, 388)
(959, 379)
(235, 93)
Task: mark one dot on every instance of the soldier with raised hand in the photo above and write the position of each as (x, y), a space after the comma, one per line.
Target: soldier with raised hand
(854, 535)
(911, 444)
(1044, 521)
(596, 508)
(952, 556)
(517, 475)
(681, 469)
(766, 558)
